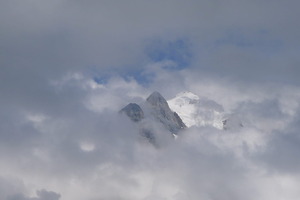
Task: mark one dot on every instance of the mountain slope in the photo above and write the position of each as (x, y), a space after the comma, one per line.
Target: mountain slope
(162, 112)
(133, 111)
(156, 115)
(195, 111)
(154, 118)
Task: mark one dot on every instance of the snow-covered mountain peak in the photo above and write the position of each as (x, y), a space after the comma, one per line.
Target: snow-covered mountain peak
(196, 111)
(187, 94)
(156, 115)
(184, 98)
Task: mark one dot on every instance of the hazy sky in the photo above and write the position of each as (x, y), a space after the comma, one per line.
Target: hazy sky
(68, 67)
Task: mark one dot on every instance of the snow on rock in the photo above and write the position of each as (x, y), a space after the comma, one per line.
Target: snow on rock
(196, 111)
(185, 110)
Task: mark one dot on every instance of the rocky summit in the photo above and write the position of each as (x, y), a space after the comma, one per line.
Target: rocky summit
(162, 112)
(133, 111)
(152, 114)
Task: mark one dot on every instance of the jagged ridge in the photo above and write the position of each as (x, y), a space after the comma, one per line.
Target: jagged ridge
(157, 111)
(162, 112)
(133, 111)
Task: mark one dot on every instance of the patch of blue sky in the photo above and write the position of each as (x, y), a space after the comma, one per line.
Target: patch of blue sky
(102, 80)
(138, 75)
(177, 51)
(99, 76)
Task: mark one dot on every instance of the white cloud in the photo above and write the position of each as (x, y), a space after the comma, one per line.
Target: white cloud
(88, 154)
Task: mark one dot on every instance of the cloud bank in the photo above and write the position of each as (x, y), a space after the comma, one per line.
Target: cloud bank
(88, 150)
(68, 67)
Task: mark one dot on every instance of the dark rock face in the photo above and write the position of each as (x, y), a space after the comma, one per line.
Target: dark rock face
(162, 112)
(157, 100)
(133, 111)
(179, 121)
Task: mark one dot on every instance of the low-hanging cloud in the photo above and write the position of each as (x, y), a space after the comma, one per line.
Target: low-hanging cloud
(90, 152)
(41, 195)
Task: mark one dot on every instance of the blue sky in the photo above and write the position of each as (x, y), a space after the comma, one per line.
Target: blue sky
(178, 53)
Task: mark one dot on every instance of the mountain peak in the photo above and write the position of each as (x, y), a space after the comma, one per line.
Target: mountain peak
(196, 111)
(163, 113)
(157, 111)
(133, 111)
(156, 99)
(187, 94)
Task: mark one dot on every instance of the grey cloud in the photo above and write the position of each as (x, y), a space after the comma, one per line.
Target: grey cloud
(41, 195)
(10, 186)
(282, 154)
(97, 153)
(47, 38)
